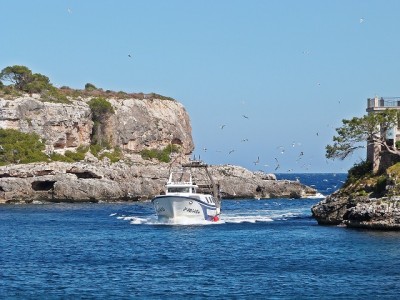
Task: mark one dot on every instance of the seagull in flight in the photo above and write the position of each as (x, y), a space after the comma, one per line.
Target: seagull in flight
(300, 155)
(277, 164)
(130, 56)
(281, 149)
(244, 116)
(222, 126)
(257, 161)
(231, 151)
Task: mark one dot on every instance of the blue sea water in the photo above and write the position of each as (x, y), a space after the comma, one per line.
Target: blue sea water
(261, 249)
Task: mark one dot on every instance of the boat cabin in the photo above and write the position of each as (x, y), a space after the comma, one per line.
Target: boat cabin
(181, 189)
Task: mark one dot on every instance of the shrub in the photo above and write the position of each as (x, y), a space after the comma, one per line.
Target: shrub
(358, 171)
(113, 156)
(37, 84)
(161, 155)
(161, 97)
(9, 92)
(380, 186)
(78, 155)
(19, 147)
(95, 149)
(54, 95)
(70, 156)
(59, 157)
(149, 154)
(90, 87)
(100, 108)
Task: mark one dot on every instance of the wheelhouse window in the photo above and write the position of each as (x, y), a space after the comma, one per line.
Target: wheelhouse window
(178, 190)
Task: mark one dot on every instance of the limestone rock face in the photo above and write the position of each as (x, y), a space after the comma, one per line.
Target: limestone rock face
(136, 125)
(62, 126)
(150, 123)
(93, 182)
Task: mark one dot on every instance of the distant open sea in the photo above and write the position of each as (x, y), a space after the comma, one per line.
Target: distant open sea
(261, 249)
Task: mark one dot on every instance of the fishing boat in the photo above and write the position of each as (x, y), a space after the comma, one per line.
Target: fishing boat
(182, 201)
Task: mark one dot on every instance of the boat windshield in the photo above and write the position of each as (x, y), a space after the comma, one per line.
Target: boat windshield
(179, 190)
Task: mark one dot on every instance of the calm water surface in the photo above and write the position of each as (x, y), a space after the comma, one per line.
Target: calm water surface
(261, 249)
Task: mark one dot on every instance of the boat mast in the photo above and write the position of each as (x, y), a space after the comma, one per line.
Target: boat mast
(215, 187)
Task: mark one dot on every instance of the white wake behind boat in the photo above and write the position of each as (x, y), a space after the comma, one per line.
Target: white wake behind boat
(182, 201)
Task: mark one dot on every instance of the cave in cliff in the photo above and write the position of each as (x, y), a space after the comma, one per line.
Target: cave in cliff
(46, 185)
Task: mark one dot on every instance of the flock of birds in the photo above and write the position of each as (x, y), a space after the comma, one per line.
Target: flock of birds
(280, 149)
(277, 164)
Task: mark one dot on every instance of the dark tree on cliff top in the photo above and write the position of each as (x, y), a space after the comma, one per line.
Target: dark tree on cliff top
(17, 75)
(24, 80)
(357, 132)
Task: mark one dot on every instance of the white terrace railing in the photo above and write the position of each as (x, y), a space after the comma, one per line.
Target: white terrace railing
(387, 102)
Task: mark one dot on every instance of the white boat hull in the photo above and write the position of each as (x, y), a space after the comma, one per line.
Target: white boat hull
(175, 207)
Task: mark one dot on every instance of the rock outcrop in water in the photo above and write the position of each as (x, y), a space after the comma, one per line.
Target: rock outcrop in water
(137, 124)
(370, 202)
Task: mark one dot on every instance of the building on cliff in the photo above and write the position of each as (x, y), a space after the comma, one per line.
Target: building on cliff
(382, 159)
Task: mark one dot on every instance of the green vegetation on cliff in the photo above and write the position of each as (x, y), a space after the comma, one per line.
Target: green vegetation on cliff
(362, 182)
(101, 112)
(18, 147)
(21, 148)
(22, 80)
(161, 155)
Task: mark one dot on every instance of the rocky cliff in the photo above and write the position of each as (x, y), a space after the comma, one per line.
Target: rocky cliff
(136, 125)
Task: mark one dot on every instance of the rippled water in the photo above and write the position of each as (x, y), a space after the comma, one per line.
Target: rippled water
(260, 249)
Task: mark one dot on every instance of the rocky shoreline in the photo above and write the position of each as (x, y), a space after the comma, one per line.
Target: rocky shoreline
(106, 182)
(358, 212)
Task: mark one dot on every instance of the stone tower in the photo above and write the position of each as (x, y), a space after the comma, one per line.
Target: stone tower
(374, 153)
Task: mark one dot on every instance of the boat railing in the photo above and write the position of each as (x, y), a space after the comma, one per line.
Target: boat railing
(179, 183)
(213, 188)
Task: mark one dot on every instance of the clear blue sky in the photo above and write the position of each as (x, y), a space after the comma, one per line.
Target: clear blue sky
(294, 68)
